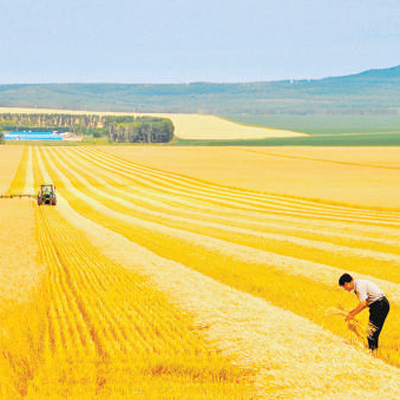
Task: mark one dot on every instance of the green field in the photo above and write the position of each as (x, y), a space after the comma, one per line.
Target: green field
(388, 139)
(323, 124)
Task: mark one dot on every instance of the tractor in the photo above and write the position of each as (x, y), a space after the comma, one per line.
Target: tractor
(47, 195)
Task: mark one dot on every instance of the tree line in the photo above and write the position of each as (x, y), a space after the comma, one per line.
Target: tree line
(139, 130)
(119, 129)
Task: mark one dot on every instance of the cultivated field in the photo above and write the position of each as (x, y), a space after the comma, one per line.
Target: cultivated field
(196, 126)
(353, 176)
(189, 126)
(199, 274)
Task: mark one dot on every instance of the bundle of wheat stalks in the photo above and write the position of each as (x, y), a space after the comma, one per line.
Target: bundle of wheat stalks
(354, 325)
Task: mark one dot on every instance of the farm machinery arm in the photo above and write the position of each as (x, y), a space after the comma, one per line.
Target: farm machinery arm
(46, 195)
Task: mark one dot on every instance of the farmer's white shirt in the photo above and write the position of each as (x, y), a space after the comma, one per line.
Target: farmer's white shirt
(366, 290)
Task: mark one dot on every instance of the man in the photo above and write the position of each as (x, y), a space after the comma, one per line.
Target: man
(370, 296)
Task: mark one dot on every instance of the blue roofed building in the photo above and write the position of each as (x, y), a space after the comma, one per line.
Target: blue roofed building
(32, 135)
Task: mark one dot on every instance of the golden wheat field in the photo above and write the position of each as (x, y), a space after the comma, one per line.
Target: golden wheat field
(198, 126)
(197, 273)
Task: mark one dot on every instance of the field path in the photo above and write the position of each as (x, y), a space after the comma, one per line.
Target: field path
(29, 181)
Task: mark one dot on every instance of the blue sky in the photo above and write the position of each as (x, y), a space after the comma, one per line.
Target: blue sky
(175, 41)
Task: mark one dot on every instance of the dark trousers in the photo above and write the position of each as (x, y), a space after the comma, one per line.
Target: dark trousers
(378, 312)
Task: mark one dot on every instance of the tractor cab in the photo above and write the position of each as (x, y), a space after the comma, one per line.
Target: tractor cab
(47, 195)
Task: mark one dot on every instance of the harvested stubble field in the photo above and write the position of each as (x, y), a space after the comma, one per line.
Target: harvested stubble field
(163, 273)
(10, 158)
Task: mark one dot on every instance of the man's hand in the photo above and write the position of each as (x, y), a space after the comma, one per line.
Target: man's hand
(359, 308)
(349, 317)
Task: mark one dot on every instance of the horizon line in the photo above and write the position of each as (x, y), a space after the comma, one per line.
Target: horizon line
(200, 81)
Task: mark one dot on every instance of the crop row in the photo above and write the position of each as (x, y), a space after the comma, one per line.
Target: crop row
(95, 329)
(287, 251)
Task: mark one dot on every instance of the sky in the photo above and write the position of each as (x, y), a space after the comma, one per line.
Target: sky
(177, 41)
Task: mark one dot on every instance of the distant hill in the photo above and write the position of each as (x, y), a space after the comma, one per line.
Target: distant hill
(370, 92)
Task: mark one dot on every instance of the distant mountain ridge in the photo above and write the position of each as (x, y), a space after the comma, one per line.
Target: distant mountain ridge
(376, 91)
(386, 73)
